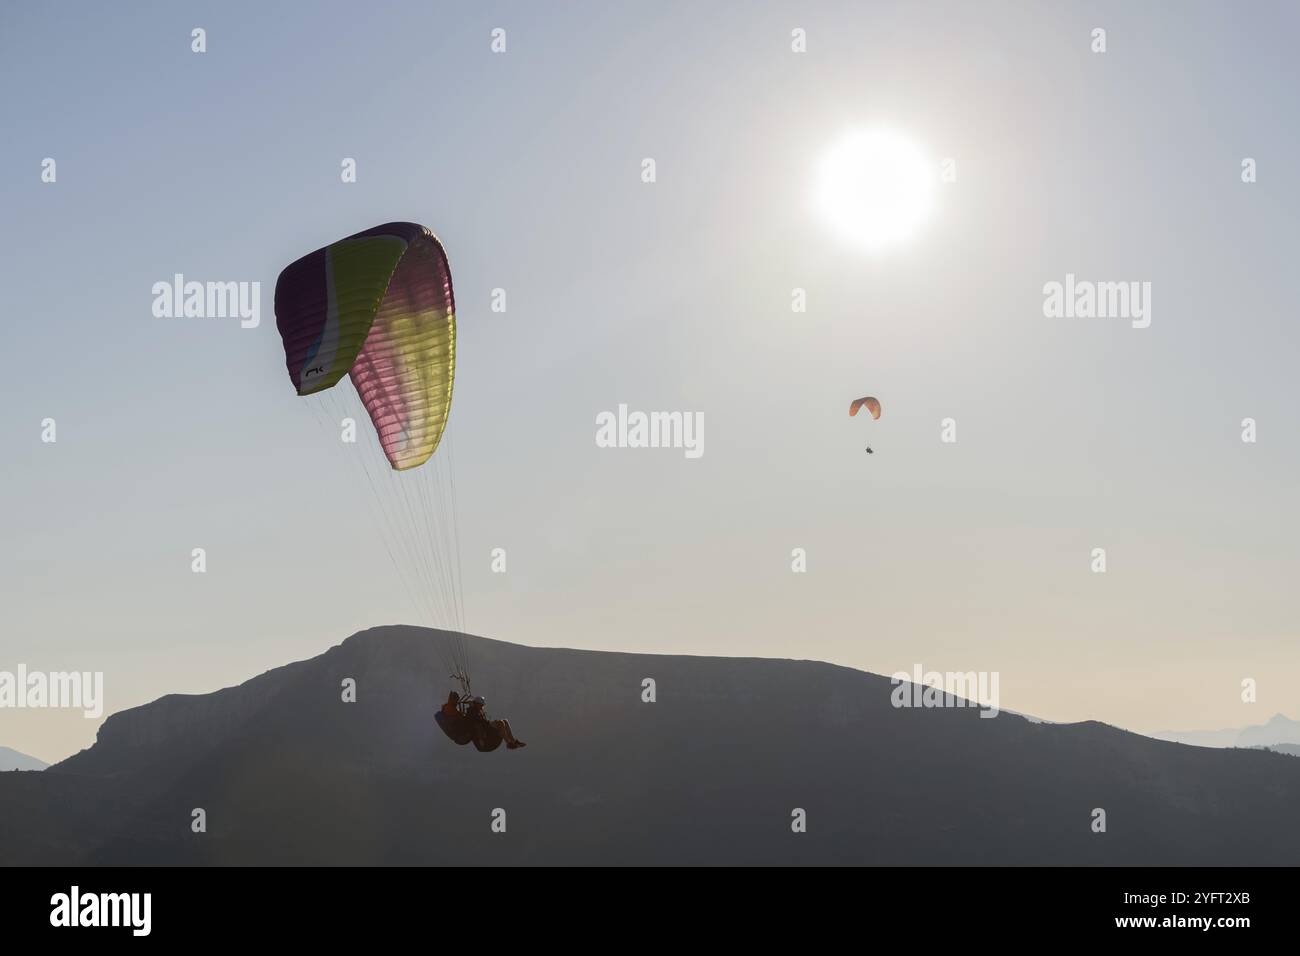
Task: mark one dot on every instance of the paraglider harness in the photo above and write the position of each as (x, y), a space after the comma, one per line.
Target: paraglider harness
(467, 726)
(466, 693)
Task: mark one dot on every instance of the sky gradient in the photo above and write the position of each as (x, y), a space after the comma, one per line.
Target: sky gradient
(1072, 433)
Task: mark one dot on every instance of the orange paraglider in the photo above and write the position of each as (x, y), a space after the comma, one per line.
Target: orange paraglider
(871, 405)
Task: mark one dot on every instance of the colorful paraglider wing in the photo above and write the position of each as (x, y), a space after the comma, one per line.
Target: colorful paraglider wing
(871, 404)
(377, 305)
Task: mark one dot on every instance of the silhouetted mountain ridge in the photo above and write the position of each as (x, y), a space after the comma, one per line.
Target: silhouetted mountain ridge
(709, 773)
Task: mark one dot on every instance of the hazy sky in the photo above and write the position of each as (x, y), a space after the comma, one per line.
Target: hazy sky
(676, 295)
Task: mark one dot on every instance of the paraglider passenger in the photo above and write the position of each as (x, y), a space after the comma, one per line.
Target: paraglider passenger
(465, 720)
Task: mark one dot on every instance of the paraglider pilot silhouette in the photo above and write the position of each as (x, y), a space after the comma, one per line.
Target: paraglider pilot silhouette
(378, 308)
(465, 720)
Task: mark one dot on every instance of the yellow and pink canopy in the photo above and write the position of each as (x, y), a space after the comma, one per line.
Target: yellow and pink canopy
(376, 306)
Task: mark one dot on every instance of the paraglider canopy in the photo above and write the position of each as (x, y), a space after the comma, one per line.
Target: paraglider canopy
(378, 307)
(869, 403)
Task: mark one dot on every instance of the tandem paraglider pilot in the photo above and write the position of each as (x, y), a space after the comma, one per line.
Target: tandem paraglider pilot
(465, 721)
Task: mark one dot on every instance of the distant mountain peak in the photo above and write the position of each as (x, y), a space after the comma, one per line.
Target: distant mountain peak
(1278, 729)
(11, 759)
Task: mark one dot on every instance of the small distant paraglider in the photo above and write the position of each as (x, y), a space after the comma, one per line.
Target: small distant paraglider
(870, 404)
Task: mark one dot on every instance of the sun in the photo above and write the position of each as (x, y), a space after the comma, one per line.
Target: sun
(875, 188)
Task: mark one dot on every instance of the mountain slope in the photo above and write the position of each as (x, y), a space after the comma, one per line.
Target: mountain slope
(709, 773)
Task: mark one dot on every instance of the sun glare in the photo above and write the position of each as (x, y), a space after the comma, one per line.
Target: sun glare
(875, 188)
